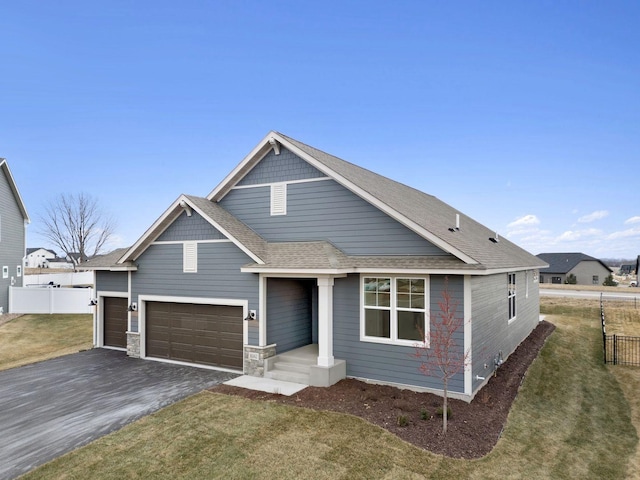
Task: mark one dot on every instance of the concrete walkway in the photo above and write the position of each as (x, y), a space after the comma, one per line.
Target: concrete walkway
(50, 408)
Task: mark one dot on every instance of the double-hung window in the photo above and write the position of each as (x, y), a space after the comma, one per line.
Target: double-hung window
(511, 295)
(394, 310)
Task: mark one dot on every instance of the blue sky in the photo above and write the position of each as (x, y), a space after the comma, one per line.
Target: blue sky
(523, 115)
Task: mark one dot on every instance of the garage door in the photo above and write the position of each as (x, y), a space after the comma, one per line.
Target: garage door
(115, 322)
(203, 334)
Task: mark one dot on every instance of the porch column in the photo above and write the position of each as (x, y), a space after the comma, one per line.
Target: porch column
(325, 321)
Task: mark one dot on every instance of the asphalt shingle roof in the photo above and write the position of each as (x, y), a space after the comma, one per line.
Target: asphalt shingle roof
(430, 213)
(565, 262)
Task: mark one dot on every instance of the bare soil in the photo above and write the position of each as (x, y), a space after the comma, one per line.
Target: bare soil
(473, 428)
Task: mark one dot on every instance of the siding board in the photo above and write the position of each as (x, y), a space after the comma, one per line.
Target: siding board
(12, 246)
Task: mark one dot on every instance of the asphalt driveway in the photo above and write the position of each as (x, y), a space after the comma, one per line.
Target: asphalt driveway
(50, 408)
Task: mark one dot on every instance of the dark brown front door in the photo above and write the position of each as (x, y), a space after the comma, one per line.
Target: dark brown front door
(115, 322)
(203, 334)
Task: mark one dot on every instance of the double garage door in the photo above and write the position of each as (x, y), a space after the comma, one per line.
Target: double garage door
(202, 334)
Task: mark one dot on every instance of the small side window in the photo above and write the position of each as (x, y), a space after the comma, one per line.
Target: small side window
(19, 270)
(5, 272)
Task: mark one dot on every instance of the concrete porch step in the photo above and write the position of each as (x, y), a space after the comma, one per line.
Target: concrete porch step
(287, 376)
(290, 366)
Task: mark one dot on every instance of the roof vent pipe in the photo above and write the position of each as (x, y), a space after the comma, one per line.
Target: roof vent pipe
(457, 221)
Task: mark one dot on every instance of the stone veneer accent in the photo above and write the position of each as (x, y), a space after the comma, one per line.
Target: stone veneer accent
(254, 358)
(133, 344)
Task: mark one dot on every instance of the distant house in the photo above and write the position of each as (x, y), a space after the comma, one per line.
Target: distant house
(39, 257)
(301, 266)
(627, 269)
(587, 270)
(13, 234)
(61, 263)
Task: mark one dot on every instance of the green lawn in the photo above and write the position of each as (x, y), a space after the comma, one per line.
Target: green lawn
(570, 420)
(32, 338)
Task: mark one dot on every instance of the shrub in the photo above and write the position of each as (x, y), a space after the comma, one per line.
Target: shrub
(403, 421)
(439, 412)
(424, 414)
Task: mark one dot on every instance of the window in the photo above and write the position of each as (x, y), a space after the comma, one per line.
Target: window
(394, 310)
(5, 272)
(19, 270)
(595, 280)
(190, 257)
(279, 199)
(511, 295)
(556, 279)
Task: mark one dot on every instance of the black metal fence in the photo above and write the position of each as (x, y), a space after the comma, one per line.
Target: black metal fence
(619, 349)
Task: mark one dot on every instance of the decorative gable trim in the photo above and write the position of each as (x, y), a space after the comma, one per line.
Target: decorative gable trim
(166, 219)
(190, 257)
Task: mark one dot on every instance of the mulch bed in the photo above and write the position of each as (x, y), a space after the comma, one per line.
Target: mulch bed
(473, 429)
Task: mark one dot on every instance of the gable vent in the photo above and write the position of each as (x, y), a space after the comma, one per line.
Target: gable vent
(279, 199)
(190, 257)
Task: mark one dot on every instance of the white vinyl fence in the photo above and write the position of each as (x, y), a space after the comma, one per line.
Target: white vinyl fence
(67, 279)
(50, 300)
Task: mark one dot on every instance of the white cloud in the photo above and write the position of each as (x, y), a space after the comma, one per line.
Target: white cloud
(632, 232)
(527, 220)
(592, 217)
(632, 220)
(573, 235)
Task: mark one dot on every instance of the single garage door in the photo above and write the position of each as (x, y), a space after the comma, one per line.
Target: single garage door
(203, 334)
(115, 322)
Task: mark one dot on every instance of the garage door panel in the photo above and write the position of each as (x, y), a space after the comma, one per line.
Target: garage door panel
(203, 334)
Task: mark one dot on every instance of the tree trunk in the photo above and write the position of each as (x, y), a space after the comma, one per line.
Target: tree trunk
(444, 409)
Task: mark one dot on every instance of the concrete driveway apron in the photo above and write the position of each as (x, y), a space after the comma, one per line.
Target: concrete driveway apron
(50, 408)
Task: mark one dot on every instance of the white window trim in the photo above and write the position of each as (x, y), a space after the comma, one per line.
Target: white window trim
(278, 199)
(19, 270)
(394, 340)
(190, 257)
(5, 271)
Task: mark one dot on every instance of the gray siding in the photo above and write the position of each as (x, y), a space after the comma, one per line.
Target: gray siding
(186, 228)
(388, 363)
(491, 330)
(160, 273)
(12, 247)
(585, 271)
(112, 281)
(285, 167)
(326, 211)
(289, 313)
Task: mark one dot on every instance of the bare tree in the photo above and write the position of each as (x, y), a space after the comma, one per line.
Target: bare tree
(77, 225)
(439, 354)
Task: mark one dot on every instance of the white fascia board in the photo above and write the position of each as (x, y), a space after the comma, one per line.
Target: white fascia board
(222, 230)
(152, 230)
(259, 151)
(114, 268)
(375, 202)
(14, 189)
(299, 272)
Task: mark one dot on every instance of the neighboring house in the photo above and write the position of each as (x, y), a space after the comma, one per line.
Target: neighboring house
(39, 257)
(304, 267)
(627, 269)
(587, 270)
(61, 263)
(13, 234)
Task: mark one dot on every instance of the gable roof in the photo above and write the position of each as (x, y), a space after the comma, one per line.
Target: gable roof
(240, 234)
(108, 261)
(4, 166)
(32, 250)
(565, 262)
(425, 214)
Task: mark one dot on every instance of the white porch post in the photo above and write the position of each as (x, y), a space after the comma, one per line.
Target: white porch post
(325, 321)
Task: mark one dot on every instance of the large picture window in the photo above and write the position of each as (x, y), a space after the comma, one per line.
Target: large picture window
(511, 295)
(394, 310)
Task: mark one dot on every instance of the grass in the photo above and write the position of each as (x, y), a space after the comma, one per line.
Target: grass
(33, 338)
(572, 419)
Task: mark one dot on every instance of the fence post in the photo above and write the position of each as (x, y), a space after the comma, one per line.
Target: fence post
(615, 349)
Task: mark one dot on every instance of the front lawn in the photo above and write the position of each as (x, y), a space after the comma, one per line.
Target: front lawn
(570, 420)
(32, 338)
